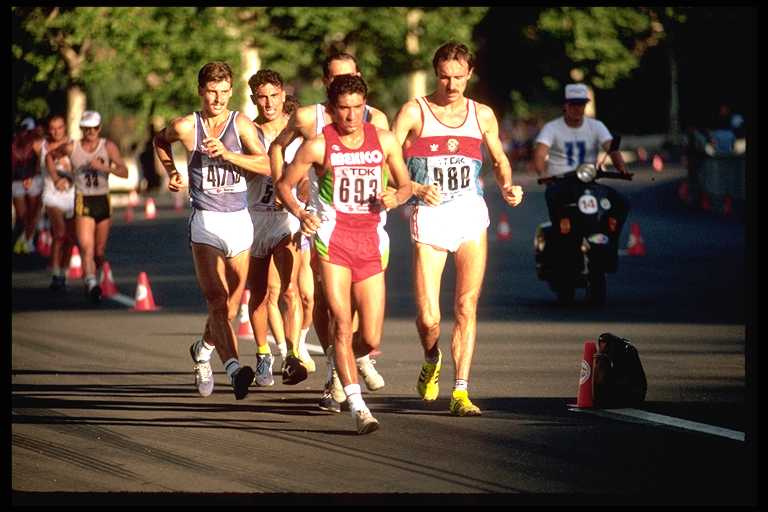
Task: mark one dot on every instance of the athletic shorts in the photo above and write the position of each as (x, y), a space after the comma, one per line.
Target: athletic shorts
(61, 200)
(364, 251)
(229, 232)
(450, 224)
(34, 190)
(304, 242)
(97, 207)
(269, 228)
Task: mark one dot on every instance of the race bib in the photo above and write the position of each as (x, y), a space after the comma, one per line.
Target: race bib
(220, 177)
(451, 174)
(356, 189)
(588, 204)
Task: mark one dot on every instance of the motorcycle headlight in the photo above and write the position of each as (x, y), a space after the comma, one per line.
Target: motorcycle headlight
(586, 173)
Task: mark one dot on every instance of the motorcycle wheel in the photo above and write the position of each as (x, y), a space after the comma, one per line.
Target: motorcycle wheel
(597, 289)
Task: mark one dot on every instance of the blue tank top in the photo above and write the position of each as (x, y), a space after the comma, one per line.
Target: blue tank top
(215, 184)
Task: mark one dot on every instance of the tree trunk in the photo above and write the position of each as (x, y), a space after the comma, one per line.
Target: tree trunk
(417, 80)
(251, 64)
(76, 101)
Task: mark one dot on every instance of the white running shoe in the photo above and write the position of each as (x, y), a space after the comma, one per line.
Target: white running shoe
(203, 372)
(373, 379)
(366, 423)
(306, 358)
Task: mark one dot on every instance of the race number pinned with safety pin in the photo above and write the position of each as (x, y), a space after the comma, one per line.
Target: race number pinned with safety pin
(356, 189)
(452, 175)
(221, 177)
(588, 204)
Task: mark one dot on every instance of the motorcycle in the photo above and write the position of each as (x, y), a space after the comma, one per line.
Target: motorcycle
(584, 247)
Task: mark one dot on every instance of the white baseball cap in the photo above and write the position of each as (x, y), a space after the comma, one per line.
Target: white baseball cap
(90, 119)
(576, 93)
(28, 123)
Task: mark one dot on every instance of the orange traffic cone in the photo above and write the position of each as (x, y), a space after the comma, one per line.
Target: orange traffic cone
(244, 330)
(727, 205)
(150, 212)
(584, 395)
(44, 241)
(75, 264)
(144, 299)
(128, 215)
(108, 287)
(658, 163)
(636, 244)
(133, 198)
(503, 230)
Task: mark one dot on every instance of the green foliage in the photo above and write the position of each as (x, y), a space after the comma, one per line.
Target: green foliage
(603, 44)
(131, 61)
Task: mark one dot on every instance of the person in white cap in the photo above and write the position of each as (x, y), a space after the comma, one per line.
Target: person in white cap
(567, 142)
(93, 159)
(26, 184)
(223, 147)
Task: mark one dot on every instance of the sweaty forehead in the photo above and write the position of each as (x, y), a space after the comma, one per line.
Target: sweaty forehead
(453, 67)
(267, 90)
(221, 86)
(341, 67)
(350, 100)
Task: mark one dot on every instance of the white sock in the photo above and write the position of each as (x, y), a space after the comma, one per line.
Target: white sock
(56, 271)
(355, 398)
(283, 348)
(90, 281)
(303, 337)
(231, 366)
(204, 351)
(461, 385)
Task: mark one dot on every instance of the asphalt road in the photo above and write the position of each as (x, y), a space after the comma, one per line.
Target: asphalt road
(104, 410)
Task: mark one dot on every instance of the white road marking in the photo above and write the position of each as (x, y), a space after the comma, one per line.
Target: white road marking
(653, 418)
(123, 299)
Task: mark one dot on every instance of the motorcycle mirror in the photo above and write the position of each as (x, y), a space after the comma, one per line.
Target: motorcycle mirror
(615, 143)
(586, 173)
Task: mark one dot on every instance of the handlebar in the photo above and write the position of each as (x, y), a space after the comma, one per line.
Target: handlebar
(600, 174)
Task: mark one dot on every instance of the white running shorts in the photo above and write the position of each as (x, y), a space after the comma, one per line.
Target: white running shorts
(269, 228)
(34, 190)
(450, 224)
(61, 200)
(229, 232)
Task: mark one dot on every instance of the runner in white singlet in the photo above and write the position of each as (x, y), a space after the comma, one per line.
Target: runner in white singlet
(223, 148)
(443, 133)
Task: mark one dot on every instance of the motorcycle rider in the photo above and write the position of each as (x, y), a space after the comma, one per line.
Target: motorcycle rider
(567, 142)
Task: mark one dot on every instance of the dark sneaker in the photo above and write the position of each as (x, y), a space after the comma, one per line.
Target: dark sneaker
(293, 371)
(327, 403)
(241, 381)
(58, 283)
(264, 370)
(95, 294)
